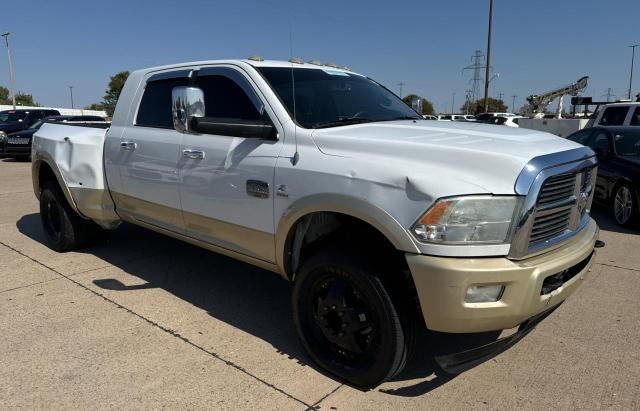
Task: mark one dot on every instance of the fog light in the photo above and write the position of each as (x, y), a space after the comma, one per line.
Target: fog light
(484, 293)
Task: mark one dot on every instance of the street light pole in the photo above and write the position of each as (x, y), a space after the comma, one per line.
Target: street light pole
(488, 65)
(71, 92)
(633, 54)
(453, 101)
(513, 104)
(13, 93)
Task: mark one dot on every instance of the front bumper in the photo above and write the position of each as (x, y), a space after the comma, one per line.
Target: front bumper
(442, 283)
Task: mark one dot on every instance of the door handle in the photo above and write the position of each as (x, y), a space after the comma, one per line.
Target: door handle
(194, 154)
(128, 145)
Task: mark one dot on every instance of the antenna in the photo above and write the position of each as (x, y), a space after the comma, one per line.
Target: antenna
(296, 156)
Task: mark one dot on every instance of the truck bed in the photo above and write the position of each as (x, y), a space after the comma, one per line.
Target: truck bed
(76, 155)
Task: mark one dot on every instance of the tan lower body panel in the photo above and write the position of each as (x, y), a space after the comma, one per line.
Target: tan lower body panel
(251, 246)
(96, 204)
(442, 284)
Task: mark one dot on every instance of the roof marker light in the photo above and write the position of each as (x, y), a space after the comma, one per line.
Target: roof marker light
(255, 57)
(315, 62)
(296, 60)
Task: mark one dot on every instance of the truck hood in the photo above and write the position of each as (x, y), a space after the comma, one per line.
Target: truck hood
(9, 126)
(443, 158)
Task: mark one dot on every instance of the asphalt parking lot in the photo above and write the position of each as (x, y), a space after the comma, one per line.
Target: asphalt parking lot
(144, 321)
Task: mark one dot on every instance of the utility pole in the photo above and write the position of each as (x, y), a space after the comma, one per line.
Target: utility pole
(500, 96)
(633, 54)
(608, 94)
(486, 74)
(13, 93)
(453, 101)
(401, 84)
(71, 92)
(513, 103)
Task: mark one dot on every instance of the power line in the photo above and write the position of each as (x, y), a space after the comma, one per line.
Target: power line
(609, 94)
(401, 84)
(476, 66)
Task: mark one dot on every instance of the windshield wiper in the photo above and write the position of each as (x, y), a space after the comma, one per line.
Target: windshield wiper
(402, 118)
(343, 122)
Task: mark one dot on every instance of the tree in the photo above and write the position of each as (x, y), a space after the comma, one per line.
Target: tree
(23, 99)
(4, 95)
(113, 92)
(476, 107)
(95, 106)
(427, 106)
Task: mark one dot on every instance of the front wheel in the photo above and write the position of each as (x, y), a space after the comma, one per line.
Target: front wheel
(346, 320)
(625, 205)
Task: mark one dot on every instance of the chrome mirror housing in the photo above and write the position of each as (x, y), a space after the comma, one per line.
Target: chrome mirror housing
(186, 103)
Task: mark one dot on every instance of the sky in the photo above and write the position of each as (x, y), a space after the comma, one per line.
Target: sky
(537, 45)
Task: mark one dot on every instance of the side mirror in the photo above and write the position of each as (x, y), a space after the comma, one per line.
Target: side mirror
(186, 103)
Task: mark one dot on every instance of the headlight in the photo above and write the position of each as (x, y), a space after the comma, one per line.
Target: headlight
(3, 136)
(468, 220)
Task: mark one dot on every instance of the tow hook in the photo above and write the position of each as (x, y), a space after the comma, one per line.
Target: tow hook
(599, 244)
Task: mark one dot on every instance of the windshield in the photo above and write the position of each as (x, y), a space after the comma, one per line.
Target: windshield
(7, 116)
(37, 124)
(627, 143)
(331, 98)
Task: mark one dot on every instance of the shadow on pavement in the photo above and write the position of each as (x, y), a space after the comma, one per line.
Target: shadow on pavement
(249, 298)
(605, 220)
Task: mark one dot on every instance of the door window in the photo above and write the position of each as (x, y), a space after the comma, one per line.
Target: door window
(635, 118)
(600, 142)
(227, 95)
(614, 116)
(581, 137)
(155, 107)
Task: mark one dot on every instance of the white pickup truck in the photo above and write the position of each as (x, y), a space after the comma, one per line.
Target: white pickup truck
(379, 218)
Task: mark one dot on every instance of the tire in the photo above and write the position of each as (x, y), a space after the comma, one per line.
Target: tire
(346, 320)
(624, 205)
(64, 229)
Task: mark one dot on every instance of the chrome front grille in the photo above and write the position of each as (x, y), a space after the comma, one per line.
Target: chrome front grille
(558, 190)
(550, 225)
(554, 208)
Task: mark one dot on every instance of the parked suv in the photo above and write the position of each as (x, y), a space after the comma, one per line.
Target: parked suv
(618, 181)
(618, 114)
(21, 119)
(18, 145)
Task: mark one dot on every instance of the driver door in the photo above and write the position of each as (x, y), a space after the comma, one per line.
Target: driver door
(226, 188)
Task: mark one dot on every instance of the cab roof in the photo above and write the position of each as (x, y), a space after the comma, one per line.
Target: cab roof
(250, 62)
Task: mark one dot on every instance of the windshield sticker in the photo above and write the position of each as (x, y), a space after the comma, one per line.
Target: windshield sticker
(336, 73)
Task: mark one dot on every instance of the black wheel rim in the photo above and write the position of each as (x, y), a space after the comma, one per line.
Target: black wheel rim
(52, 218)
(623, 205)
(344, 321)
